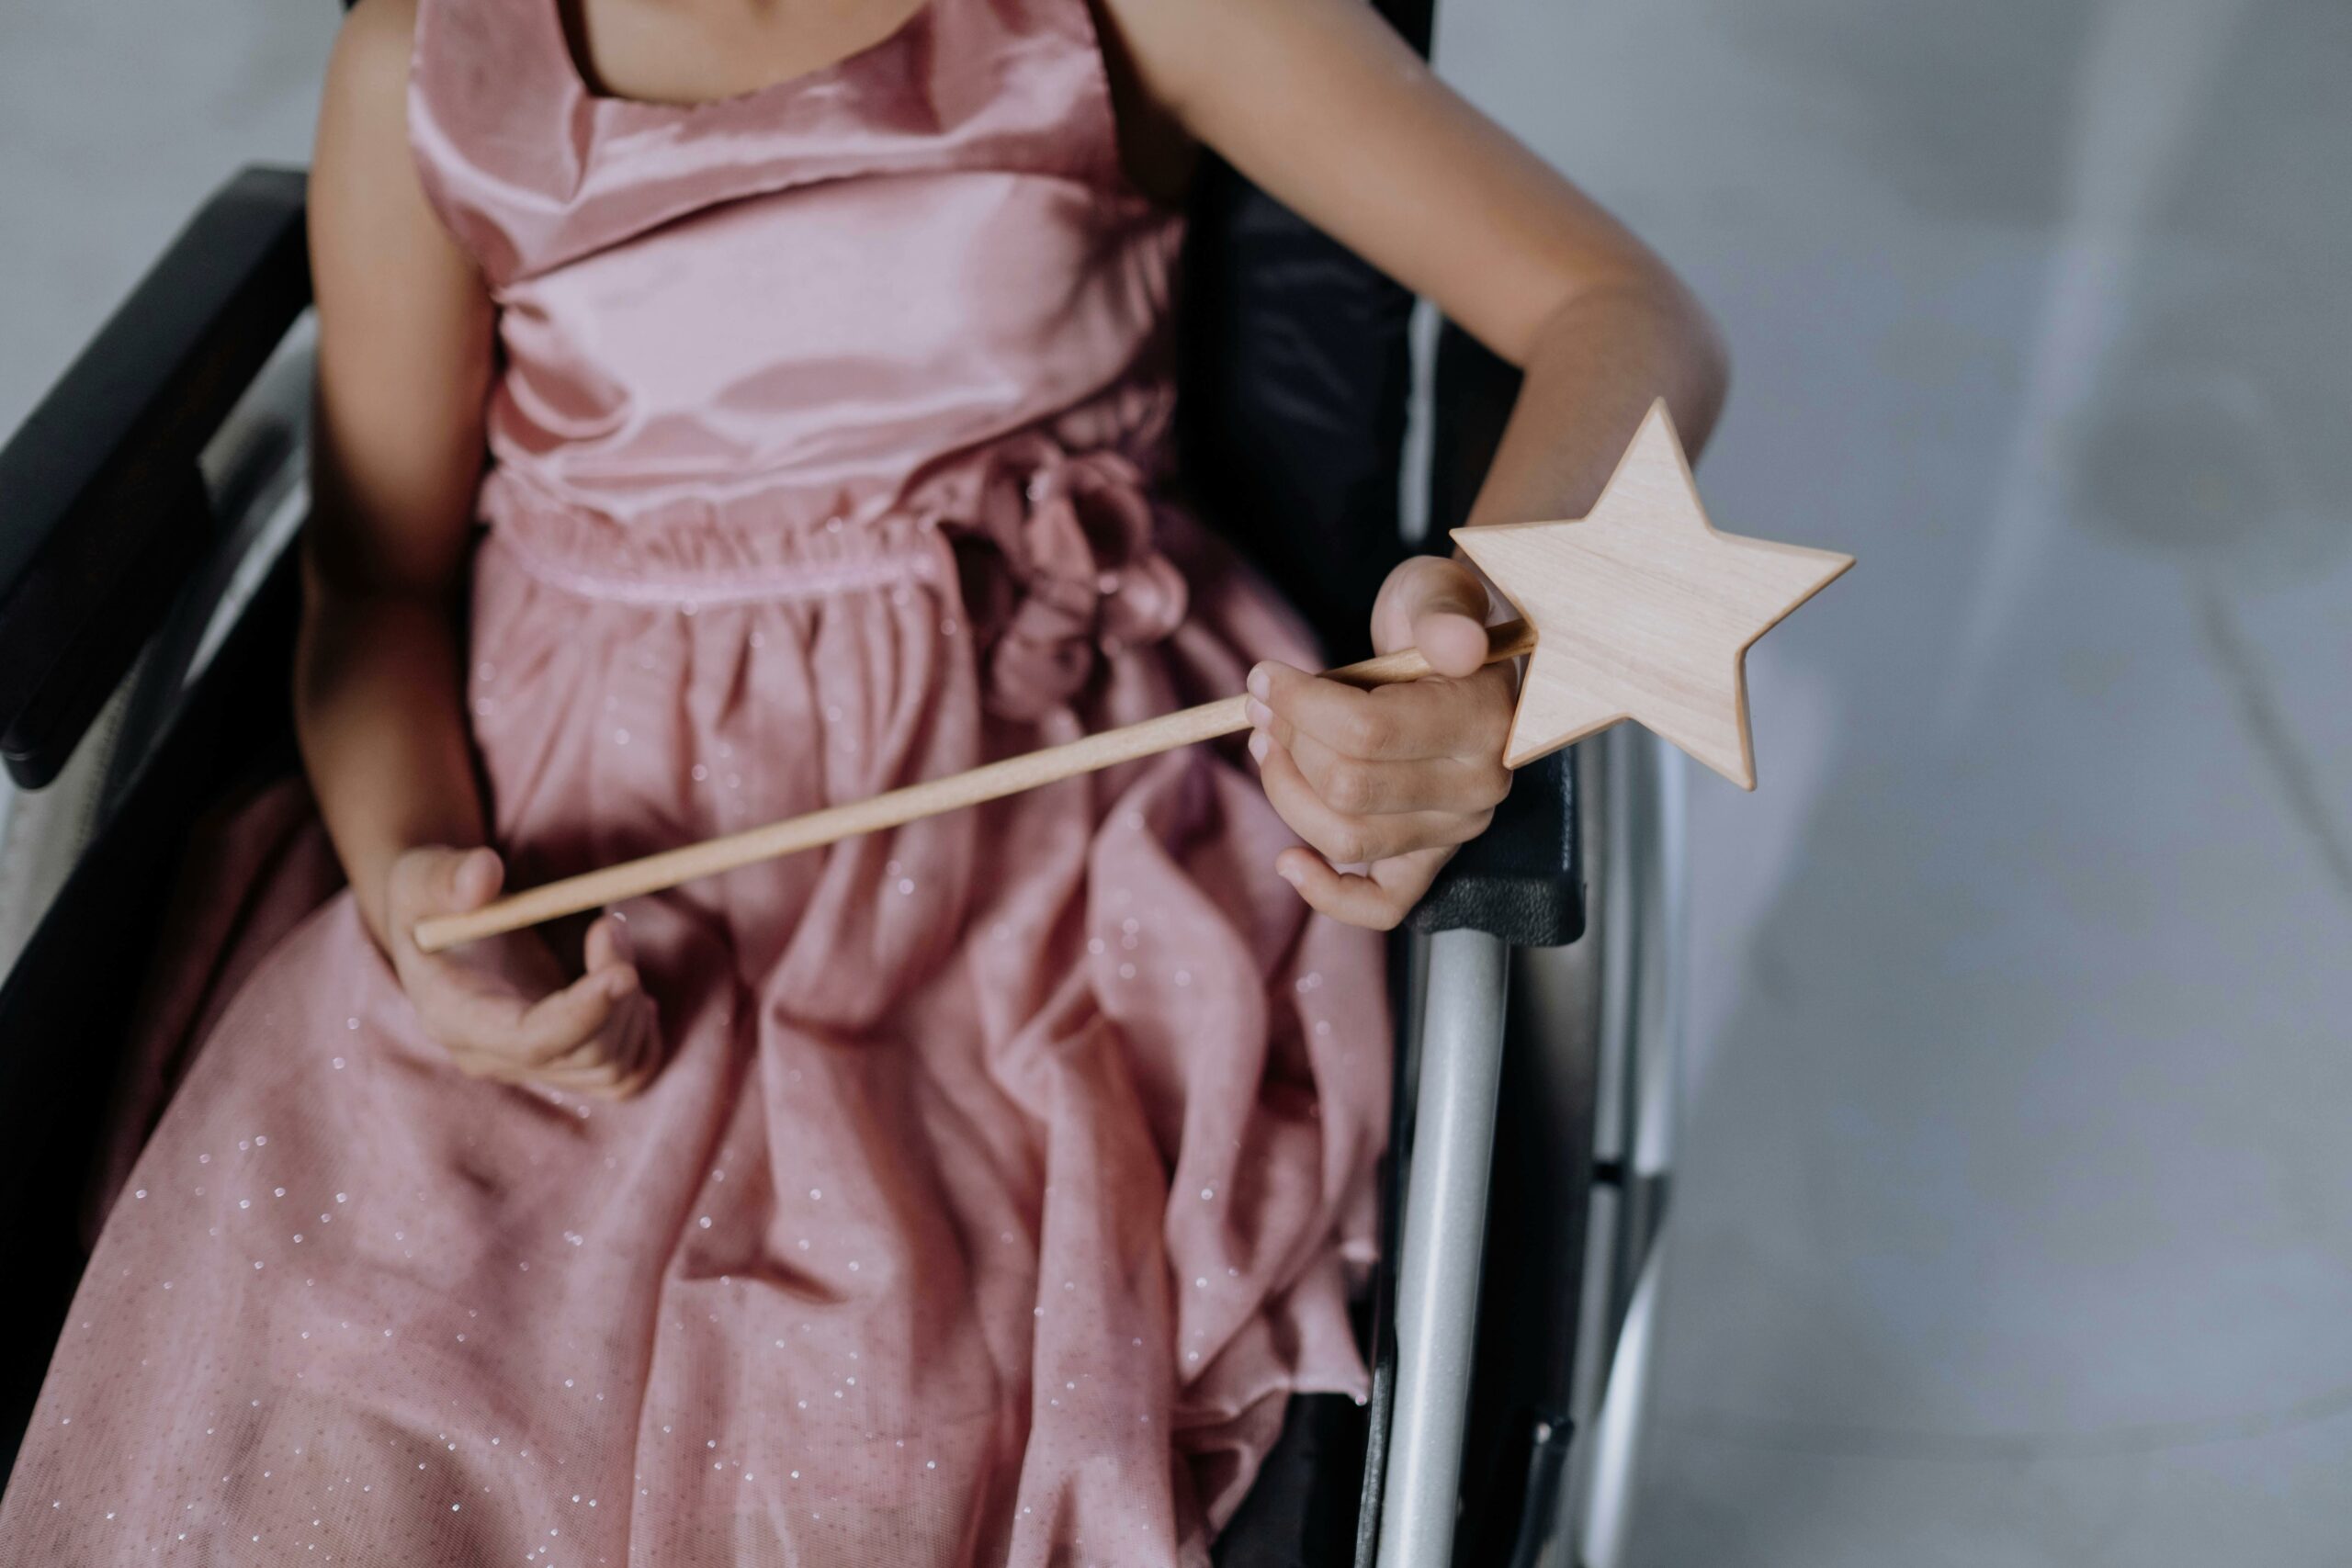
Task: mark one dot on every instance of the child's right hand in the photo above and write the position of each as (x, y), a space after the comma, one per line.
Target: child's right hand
(500, 1006)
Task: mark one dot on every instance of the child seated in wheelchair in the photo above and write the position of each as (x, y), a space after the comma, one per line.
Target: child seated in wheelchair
(978, 1192)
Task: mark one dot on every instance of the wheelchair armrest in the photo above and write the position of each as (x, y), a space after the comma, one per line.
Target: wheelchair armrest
(102, 505)
(1520, 879)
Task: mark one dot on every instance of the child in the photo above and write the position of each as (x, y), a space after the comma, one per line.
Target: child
(975, 1193)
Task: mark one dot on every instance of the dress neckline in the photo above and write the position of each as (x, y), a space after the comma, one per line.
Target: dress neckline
(613, 105)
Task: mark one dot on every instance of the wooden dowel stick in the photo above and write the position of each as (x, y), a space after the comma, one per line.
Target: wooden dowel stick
(632, 879)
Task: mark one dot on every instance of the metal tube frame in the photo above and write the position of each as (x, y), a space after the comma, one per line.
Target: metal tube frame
(1631, 791)
(1444, 1242)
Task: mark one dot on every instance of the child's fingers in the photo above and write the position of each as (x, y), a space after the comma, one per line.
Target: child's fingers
(1387, 723)
(607, 945)
(1378, 898)
(591, 1066)
(1342, 837)
(464, 1008)
(591, 1070)
(607, 1067)
(1436, 605)
(1409, 721)
(576, 1073)
(622, 1041)
(1454, 643)
(615, 1062)
(627, 1046)
(474, 877)
(434, 879)
(588, 1037)
(563, 1021)
(1364, 788)
(638, 1057)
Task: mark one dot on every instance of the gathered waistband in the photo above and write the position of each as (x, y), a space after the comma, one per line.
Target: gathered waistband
(1070, 497)
(1055, 555)
(707, 563)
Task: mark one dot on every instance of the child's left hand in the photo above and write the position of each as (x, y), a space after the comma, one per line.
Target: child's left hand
(1388, 783)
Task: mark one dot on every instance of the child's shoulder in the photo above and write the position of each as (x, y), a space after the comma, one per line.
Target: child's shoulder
(363, 105)
(371, 60)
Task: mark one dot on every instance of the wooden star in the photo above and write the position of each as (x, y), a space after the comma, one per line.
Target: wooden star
(1643, 611)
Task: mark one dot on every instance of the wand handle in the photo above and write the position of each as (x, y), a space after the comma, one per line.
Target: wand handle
(632, 879)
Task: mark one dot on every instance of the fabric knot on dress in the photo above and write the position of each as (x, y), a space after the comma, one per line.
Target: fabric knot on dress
(1059, 566)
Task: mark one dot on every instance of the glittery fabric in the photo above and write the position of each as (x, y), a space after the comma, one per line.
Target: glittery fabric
(1008, 1171)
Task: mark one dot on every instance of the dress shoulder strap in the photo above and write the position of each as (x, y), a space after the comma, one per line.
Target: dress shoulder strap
(493, 122)
(530, 169)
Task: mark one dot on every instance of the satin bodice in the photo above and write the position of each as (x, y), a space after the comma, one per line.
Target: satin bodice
(799, 297)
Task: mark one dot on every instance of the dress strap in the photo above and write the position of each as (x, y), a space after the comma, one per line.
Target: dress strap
(529, 169)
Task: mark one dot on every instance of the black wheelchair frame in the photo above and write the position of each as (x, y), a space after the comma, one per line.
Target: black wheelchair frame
(146, 589)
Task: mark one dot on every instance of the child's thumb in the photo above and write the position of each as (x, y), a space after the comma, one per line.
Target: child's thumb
(467, 879)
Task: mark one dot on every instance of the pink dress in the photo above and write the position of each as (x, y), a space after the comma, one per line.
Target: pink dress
(1008, 1171)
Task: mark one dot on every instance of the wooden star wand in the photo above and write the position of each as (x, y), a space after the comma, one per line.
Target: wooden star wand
(1637, 610)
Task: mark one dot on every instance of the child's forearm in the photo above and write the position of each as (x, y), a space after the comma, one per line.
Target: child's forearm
(379, 705)
(1595, 368)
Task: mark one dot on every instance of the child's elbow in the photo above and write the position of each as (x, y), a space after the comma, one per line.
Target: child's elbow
(1701, 357)
(1660, 338)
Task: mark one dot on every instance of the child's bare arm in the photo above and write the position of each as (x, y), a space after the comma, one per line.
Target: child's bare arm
(1324, 107)
(1321, 104)
(405, 334)
(403, 368)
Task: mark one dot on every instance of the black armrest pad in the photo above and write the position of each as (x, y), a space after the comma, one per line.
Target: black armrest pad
(102, 506)
(1520, 880)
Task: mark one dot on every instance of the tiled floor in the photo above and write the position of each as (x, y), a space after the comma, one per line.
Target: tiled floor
(2015, 1218)
(2016, 1222)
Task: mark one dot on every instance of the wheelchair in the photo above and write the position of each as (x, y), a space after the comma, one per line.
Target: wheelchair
(147, 606)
